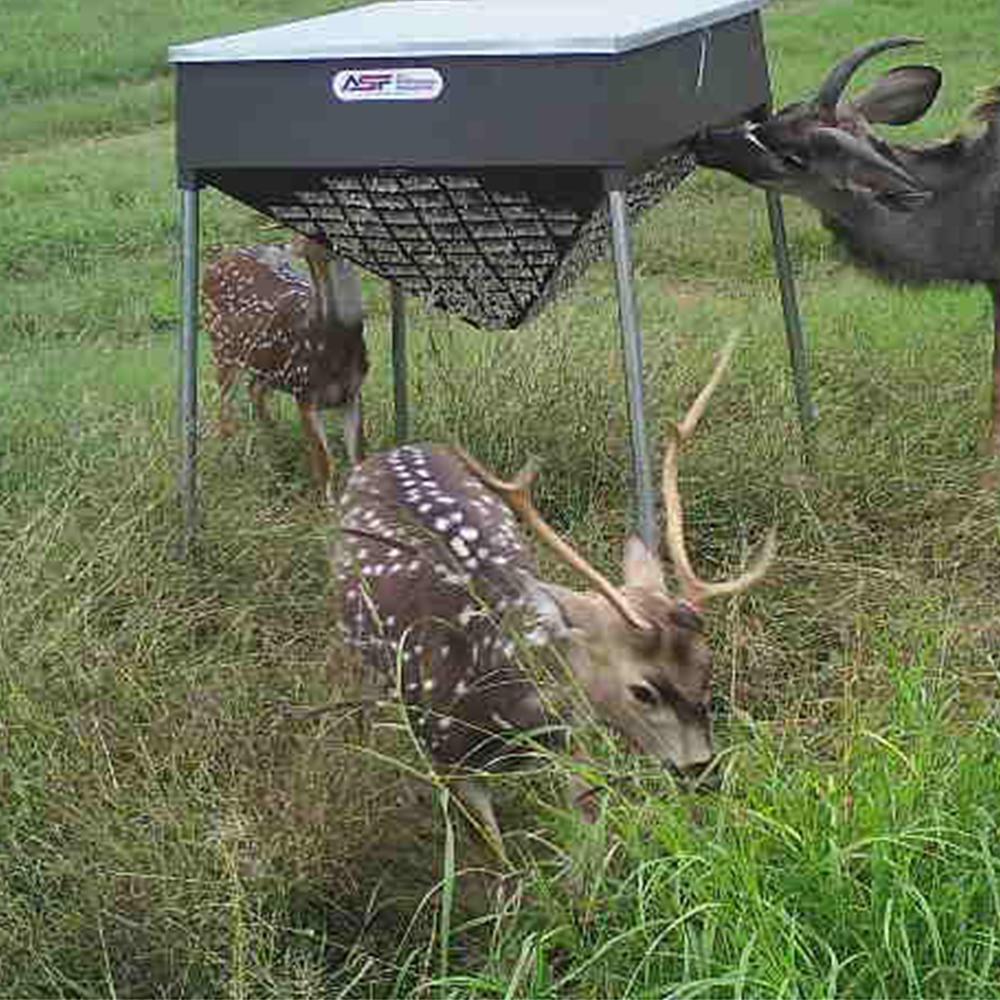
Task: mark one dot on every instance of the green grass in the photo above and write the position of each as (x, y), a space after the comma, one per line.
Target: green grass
(873, 876)
(177, 821)
(77, 69)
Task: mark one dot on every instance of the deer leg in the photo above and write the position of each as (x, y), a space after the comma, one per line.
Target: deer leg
(258, 396)
(370, 690)
(319, 449)
(584, 798)
(354, 430)
(995, 427)
(476, 798)
(226, 377)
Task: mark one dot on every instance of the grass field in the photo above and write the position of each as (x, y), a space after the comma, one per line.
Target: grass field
(174, 821)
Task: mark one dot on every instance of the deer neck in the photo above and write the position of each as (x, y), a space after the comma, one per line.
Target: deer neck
(580, 619)
(320, 301)
(336, 296)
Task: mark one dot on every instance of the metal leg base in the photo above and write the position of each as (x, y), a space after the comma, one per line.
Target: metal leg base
(645, 511)
(795, 336)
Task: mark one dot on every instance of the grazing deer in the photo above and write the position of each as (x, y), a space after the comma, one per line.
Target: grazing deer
(909, 213)
(438, 586)
(304, 338)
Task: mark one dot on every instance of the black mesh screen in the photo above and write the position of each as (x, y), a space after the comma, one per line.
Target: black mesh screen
(491, 246)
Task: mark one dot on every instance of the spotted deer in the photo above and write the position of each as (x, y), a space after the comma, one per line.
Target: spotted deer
(440, 594)
(911, 214)
(302, 337)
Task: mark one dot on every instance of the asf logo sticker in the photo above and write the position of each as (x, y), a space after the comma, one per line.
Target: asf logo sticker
(416, 83)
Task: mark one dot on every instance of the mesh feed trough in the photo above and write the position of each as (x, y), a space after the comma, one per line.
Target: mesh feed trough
(493, 247)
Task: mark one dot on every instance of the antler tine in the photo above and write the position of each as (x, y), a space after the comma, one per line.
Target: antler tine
(517, 494)
(697, 409)
(693, 587)
(747, 579)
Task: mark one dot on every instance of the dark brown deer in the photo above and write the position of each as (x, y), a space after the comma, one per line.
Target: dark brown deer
(909, 213)
(441, 595)
(303, 337)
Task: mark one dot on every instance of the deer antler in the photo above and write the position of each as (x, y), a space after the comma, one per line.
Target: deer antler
(517, 494)
(693, 587)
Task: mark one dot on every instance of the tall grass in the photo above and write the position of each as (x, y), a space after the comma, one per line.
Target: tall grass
(873, 874)
(186, 809)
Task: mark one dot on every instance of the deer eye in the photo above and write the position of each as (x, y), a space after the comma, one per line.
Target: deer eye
(643, 693)
(792, 160)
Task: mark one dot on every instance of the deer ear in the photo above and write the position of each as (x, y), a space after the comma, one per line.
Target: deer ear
(547, 622)
(640, 568)
(900, 96)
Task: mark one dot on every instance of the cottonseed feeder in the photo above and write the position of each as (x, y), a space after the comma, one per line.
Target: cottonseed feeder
(478, 154)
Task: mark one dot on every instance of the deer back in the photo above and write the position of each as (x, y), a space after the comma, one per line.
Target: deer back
(262, 316)
(254, 307)
(432, 569)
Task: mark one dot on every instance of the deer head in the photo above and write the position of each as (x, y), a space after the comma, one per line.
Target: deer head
(824, 149)
(638, 651)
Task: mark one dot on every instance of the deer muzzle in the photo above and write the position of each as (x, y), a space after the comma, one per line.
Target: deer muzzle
(740, 152)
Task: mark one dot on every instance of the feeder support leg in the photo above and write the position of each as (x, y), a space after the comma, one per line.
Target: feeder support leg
(188, 396)
(794, 334)
(628, 318)
(399, 381)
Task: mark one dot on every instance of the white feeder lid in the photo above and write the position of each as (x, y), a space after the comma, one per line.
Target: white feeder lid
(435, 28)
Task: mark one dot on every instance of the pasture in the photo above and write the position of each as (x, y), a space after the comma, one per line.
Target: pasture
(184, 809)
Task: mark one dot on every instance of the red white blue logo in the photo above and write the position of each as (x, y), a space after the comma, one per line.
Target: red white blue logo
(414, 83)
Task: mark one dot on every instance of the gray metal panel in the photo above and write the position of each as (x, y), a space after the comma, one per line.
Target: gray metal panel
(664, 94)
(560, 111)
(435, 28)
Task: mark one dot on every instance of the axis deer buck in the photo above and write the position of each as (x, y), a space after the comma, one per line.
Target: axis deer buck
(909, 213)
(302, 337)
(441, 596)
